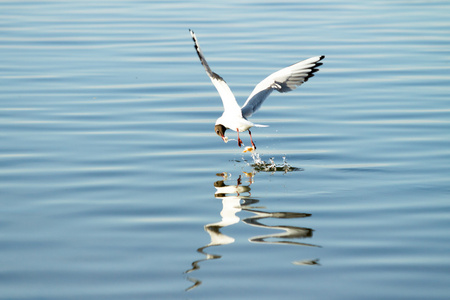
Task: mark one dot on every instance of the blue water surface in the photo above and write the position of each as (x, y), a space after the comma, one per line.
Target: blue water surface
(113, 184)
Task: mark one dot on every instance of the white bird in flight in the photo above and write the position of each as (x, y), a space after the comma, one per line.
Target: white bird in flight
(235, 117)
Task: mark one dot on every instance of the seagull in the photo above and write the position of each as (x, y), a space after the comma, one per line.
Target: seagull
(235, 117)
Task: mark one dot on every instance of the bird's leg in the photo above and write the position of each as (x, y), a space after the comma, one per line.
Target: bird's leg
(239, 139)
(251, 140)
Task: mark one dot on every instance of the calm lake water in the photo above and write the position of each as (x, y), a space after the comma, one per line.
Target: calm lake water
(113, 184)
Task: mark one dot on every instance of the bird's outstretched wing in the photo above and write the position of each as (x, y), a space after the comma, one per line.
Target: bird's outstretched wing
(230, 105)
(284, 80)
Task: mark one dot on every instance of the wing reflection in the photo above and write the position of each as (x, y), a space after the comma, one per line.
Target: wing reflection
(237, 198)
(288, 232)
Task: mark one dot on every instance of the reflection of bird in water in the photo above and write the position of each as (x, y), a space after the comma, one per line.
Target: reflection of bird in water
(311, 262)
(222, 190)
(231, 196)
(236, 198)
(288, 232)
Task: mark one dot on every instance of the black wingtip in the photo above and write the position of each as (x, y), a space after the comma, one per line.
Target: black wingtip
(192, 34)
(315, 68)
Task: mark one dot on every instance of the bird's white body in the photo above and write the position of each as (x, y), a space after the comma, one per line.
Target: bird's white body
(235, 122)
(284, 80)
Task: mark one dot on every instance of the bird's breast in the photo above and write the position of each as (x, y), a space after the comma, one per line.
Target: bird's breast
(241, 125)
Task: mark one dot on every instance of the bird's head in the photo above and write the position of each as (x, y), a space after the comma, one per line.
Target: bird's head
(220, 131)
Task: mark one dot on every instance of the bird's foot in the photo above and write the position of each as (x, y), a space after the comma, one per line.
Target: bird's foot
(251, 139)
(239, 142)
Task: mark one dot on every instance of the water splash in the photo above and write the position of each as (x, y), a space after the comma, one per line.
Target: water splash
(260, 165)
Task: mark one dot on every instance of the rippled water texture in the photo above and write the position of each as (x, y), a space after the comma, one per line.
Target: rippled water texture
(113, 184)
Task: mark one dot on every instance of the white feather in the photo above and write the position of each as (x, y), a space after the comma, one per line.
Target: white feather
(284, 80)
